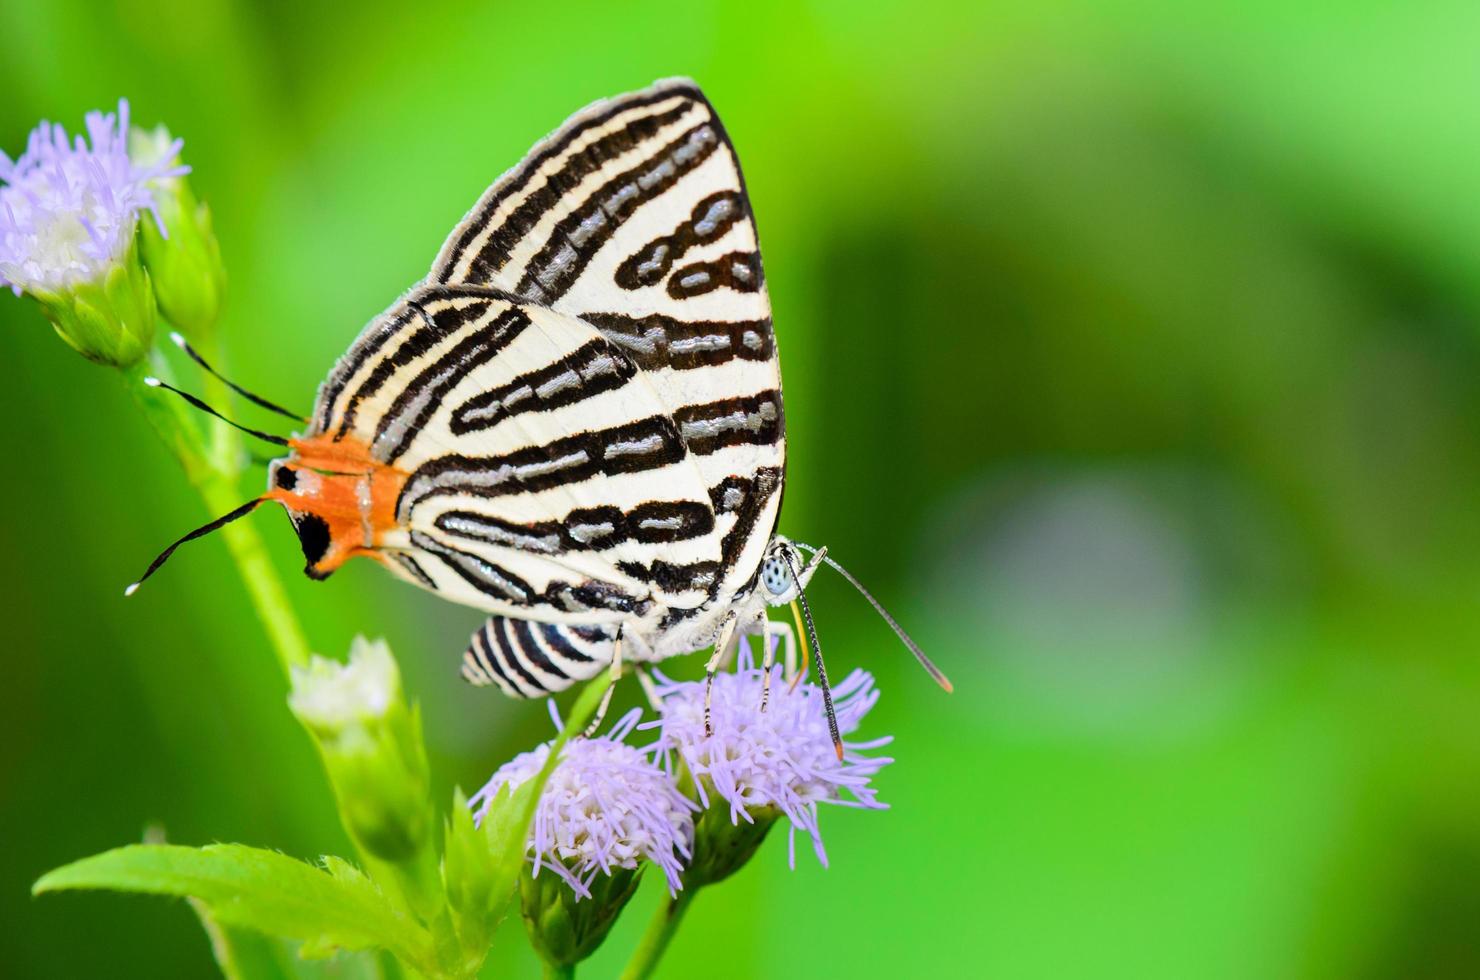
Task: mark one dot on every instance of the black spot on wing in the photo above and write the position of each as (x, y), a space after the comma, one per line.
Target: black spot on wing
(630, 448)
(585, 529)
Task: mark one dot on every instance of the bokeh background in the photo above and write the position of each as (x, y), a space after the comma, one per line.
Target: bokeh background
(1132, 355)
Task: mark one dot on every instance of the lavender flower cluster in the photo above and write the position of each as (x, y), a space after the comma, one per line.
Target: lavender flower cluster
(68, 209)
(782, 758)
(609, 805)
(606, 806)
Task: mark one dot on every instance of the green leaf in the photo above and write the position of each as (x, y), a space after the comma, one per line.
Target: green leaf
(260, 890)
(506, 830)
(467, 874)
(246, 955)
(508, 820)
(481, 865)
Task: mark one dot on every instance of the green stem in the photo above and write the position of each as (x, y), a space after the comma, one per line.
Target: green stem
(260, 575)
(659, 934)
(172, 420)
(553, 972)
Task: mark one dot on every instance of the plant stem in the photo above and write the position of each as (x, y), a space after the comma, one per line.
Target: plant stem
(552, 972)
(659, 934)
(261, 578)
(171, 419)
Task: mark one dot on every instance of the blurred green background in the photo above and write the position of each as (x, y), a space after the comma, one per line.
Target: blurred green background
(1132, 355)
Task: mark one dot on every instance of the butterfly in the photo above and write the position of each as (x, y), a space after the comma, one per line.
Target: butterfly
(574, 423)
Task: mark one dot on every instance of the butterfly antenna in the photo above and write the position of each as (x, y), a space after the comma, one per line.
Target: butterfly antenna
(184, 345)
(827, 702)
(199, 532)
(935, 672)
(265, 436)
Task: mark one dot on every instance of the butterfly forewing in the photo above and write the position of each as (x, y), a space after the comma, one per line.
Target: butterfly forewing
(634, 216)
(531, 446)
(584, 396)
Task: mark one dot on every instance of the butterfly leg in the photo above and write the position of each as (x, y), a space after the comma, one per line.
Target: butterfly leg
(649, 689)
(768, 660)
(641, 655)
(782, 635)
(789, 642)
(606, 696)
(721, 645)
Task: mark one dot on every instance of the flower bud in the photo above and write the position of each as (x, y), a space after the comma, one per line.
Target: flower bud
(108, 320)
(722, 843)
(180, 251)
(565, 928)
(372, 748)
(69, 211)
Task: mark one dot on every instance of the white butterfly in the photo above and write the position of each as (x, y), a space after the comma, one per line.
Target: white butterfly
(575, 422)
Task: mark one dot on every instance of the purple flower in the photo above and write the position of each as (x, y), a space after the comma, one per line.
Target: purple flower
(781, 759)
(68, 209)
(606, 806)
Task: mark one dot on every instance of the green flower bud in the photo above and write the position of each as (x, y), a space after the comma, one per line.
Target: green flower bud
(185, 260)
(564, 927)
(722, 845)
(109, 320)
(372, 748)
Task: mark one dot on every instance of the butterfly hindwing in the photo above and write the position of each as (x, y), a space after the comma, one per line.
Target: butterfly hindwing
(528, 659)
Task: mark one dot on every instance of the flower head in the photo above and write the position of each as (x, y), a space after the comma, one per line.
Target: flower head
(780, 760)
(68, 209)
(605, 807)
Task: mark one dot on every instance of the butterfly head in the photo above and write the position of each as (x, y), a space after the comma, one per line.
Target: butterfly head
(340, 502)
(781, 569)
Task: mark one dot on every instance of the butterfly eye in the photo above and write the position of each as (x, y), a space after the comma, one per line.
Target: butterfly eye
(775, 575)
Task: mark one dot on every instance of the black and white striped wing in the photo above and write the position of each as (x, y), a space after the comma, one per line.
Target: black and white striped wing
(584, 395)
(527, 659)
(634, 217)
(544, 478)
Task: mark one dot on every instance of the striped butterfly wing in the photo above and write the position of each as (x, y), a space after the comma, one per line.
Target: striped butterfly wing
(542, 476)
(584, 396)
(634, 217)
